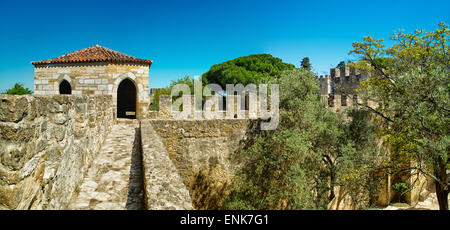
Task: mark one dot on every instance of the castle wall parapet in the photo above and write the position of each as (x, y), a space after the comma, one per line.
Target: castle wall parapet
(243, 108)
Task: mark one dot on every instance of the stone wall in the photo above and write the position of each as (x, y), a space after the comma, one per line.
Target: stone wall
(201, 151)
(325, 85)
(164, 187)
(47, 144)
(94, 79)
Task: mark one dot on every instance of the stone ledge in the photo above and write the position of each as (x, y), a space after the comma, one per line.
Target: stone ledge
(164, 188)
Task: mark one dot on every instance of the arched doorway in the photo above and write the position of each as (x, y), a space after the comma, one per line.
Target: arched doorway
(64, 87)
(126, 99)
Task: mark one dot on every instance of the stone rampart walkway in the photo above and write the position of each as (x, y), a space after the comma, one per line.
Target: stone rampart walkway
(106, 184)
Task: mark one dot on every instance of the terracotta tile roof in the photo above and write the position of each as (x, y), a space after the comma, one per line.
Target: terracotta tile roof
(94, 54)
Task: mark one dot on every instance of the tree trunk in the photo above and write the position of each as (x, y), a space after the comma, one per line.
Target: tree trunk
(441, 190)
(332, 183)
(442, 196)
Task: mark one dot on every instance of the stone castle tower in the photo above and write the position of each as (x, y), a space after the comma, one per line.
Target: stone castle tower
(339, 88)
(97, 70)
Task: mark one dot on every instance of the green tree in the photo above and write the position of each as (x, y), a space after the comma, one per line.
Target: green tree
(168, 89)
(18, 89)
(410, 84)
(305, 64)
(357, 158)
(253, 69)
(341, 64)
(298, 165)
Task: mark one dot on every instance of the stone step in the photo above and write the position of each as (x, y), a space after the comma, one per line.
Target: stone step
(127, 121)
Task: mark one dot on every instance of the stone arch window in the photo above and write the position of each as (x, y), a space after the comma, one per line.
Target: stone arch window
(126, 99)
(64, 87)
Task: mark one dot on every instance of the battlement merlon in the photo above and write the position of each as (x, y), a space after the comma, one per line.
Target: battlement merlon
(335, 72)
(344, 72)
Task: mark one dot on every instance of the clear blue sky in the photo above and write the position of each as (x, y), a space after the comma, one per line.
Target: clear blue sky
(187, 37)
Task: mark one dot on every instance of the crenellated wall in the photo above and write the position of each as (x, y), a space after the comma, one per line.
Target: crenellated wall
(243, 108)
(47, 144)
(340, 88)
(342, 81)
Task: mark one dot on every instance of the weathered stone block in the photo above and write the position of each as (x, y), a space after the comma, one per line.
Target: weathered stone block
(16, 133)
(13, 109)
(13, 158)
(60, 119)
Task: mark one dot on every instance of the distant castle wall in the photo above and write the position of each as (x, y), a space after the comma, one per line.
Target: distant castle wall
(339, 88)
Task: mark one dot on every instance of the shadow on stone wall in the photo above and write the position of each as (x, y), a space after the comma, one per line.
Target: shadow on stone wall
(135, 199)
(201, 151)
